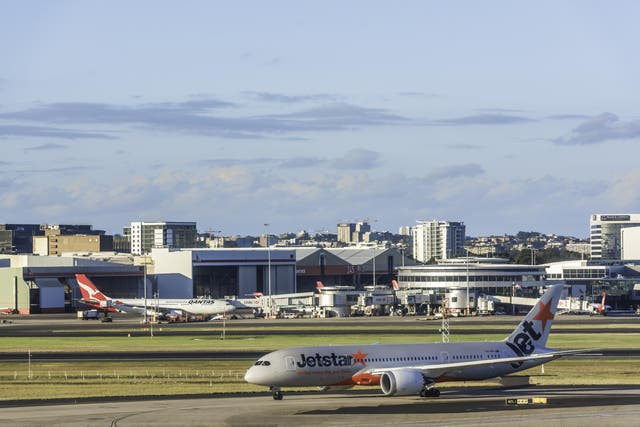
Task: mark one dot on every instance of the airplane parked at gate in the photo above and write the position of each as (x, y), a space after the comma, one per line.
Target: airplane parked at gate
(92, 296)
(405, 369)
(601, 308)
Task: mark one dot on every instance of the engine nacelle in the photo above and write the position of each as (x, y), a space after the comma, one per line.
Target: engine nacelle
(401, 382)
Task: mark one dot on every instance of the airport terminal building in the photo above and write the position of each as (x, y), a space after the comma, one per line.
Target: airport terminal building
(40, 284)
(479, 275)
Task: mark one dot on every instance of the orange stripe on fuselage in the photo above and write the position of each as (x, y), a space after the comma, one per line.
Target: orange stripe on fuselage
(361, 379)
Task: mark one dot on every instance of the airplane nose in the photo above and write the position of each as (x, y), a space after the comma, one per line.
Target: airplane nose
(249, 376)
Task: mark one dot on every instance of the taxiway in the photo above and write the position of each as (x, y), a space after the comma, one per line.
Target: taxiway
(470, 406)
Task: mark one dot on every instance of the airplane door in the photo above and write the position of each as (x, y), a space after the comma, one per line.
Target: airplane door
(290, 363)
(444, 356)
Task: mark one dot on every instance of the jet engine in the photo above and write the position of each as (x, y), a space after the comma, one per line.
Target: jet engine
(401, 382)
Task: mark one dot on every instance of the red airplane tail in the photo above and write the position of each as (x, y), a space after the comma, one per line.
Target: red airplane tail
(319, 286)
(88, 290)
(602, 306)
(394, 284)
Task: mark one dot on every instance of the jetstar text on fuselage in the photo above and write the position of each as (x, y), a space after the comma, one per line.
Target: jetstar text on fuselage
(321, 361)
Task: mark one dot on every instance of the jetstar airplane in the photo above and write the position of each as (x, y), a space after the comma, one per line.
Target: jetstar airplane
(406, 369)
(92, 296)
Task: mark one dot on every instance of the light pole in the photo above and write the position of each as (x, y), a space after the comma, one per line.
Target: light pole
(533, 254)
(467, 262)
(374, 265)
(268, 269)
(144, 285)
(143, 251)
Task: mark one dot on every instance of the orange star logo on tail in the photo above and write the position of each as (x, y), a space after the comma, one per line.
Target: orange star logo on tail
(544, 314)
(359, 358)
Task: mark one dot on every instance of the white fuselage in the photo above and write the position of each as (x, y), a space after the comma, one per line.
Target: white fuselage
(196, 306)
(352, 364)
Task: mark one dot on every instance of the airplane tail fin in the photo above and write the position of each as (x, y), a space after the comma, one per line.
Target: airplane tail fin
(319, 286)
(88, 290)
(602, 305)
(533, 330)
(394, 284)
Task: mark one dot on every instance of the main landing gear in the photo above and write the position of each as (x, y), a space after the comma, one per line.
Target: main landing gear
(277, 394)
(429, 391)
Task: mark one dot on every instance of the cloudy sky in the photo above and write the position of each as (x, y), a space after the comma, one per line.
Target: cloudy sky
(505, 115)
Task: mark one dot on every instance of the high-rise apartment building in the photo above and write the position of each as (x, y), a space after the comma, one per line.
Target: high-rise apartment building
(349, 232)
(437, 240)
(345, 232)
(147, 235)
(605, 234)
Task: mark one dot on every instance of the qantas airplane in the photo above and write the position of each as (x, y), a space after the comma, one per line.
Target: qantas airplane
(92, 296)
(406, 369)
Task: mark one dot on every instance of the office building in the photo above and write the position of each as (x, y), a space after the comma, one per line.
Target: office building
(606, 234)
(57, 244)
(630, 238)
(22, 235)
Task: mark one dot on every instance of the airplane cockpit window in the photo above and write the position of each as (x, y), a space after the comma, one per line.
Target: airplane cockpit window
(266, 363)
(259, 362)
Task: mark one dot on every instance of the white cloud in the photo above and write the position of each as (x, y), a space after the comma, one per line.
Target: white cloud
(601, 128)
(358, 158)
(625, 192)
(239, 198)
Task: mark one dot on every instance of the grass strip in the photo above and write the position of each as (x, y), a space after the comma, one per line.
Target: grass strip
(77, 380)
(214, 342)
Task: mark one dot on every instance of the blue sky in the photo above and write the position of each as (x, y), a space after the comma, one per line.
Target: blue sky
(504, 115)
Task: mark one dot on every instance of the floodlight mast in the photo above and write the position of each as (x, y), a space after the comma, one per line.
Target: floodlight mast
(267, 243)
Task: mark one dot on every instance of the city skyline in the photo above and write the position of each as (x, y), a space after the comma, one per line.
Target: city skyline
(507, 117)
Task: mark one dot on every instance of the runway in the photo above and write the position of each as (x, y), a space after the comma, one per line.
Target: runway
(566, 406)
(66, 325)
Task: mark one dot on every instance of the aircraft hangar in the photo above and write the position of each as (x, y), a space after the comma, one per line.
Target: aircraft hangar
(31, 284)
(216, 273)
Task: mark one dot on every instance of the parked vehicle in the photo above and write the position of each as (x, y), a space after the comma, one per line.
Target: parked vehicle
(89, 314)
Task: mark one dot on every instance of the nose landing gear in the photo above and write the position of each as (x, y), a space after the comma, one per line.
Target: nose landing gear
(277, 394)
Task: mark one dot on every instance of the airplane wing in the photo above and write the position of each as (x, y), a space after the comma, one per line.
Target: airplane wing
(140, 309)
(438, 370)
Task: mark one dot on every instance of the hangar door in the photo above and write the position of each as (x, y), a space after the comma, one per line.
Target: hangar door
(215, 282)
